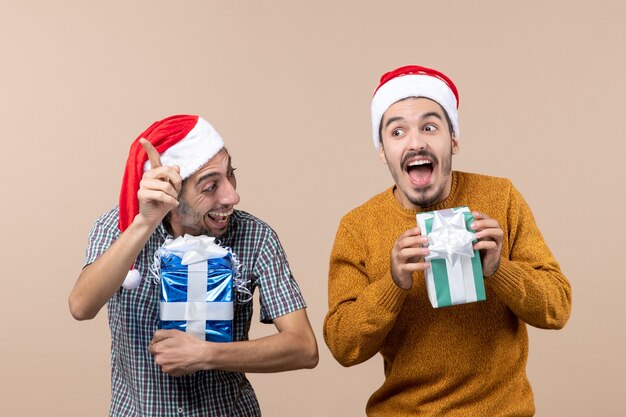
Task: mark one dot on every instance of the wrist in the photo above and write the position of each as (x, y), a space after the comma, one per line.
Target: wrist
(405, 283)
(142, 224)
(209, 355)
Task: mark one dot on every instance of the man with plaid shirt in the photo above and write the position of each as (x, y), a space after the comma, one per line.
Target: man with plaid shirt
(179, 180)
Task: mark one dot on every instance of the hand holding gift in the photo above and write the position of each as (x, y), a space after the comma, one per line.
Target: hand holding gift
(490, 236)
(407, 256)
(176, 352)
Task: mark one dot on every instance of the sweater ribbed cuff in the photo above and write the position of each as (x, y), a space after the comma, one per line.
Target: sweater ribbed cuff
(506, 280)
(391, 297)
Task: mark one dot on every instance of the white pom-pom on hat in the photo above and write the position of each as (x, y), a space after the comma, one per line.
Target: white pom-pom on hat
(132, 280)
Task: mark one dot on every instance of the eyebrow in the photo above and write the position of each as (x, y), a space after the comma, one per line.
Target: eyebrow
(425, 116)
(207, 176)
(432, 114)
(393, 119)
(212, 174)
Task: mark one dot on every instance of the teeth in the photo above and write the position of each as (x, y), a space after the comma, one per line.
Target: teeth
(221, 213)
(420, 162)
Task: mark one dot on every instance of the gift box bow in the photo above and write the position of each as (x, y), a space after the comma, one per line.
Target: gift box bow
(192, 249)
(448, 238)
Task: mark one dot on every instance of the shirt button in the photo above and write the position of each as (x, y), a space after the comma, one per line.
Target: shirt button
(180, 410)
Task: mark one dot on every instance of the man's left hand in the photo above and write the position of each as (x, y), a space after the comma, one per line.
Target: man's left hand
(177, 353)
(489, 235)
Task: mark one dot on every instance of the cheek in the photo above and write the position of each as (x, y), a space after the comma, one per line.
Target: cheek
(199, 203)
(444, 149)
(196, 201)
(392, 152)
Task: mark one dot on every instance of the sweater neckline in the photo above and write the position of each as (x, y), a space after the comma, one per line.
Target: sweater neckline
(439, 206)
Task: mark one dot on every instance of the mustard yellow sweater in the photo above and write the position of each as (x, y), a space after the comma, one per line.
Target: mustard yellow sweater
(465, 360)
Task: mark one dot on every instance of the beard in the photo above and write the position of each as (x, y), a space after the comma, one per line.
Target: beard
(192, 219)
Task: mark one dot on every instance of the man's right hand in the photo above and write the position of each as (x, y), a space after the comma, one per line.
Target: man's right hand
(407, 256)
(159, 187)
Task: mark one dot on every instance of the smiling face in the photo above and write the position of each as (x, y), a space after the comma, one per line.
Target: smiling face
(207, 199)
(417, 146)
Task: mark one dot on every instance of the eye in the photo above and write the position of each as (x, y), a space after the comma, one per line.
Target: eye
(397, 132)
(430, 128)
(209, 188)
(231, 173)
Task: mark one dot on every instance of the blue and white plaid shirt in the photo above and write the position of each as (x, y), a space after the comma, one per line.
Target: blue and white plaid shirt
(139, 387)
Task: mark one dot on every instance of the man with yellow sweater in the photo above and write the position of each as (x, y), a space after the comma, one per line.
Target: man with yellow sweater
(464, 360)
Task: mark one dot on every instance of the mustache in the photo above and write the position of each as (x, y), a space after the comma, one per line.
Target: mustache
(414, 154)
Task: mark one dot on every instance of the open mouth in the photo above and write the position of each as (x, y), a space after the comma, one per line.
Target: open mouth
(420, 171)
(220, 217)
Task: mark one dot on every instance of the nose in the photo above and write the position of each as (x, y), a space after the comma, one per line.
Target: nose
(228, 194)
(417, 140)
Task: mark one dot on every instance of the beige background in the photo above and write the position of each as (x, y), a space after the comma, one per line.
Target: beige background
(288, 85)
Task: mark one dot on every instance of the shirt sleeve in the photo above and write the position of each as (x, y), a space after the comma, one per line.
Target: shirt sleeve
(279, 293)
(103, 234)
(529, 279)
(361, 311)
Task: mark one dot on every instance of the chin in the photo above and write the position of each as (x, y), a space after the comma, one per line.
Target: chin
(424, 198)
(216, 234)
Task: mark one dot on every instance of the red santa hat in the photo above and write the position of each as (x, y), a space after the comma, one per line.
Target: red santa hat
(183, 140)
(414, 81)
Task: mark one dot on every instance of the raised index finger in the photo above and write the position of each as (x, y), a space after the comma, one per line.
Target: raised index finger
(153, 155)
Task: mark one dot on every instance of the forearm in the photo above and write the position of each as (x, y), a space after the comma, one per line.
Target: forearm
(293, 347)
(355, 330)
(98, 281)
(528, 279)
(283, 351)
(540, 296)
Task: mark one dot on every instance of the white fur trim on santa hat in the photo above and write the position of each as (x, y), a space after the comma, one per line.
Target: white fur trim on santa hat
(412, 85)
(196, 149)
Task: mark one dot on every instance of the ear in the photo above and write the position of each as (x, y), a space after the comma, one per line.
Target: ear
(381, 154)
(455, 145)
(174, 219)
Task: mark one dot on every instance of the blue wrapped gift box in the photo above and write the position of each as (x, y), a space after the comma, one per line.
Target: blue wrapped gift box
(197, 297)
